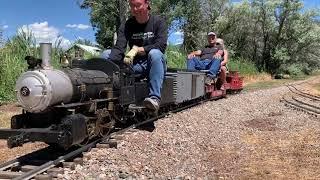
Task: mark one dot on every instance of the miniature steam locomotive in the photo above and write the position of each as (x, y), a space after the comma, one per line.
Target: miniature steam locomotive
(88, 98)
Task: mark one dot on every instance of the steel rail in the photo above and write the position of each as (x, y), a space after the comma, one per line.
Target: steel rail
(304, 103)
(20, 159)
(297, 105)
(303, 94)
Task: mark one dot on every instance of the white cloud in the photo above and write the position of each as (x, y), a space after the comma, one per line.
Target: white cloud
(62, 42)
(5, 26)
(78, 26)
(41, 31)
(176, 38)
(45, 33)
(178, 41)
(178, 33)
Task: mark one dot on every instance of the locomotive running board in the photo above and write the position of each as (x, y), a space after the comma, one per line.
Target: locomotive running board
(17, 137)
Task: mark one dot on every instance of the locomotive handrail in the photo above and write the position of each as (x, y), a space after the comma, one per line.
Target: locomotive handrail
(70, 105)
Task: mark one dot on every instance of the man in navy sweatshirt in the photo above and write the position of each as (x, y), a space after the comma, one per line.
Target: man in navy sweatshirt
(146, 36)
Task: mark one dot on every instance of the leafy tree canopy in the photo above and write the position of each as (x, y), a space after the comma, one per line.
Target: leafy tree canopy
(279, 36)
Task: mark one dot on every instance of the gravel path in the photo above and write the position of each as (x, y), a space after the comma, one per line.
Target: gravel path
(246, 136)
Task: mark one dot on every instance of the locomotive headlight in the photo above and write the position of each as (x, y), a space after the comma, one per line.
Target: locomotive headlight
(25, 91)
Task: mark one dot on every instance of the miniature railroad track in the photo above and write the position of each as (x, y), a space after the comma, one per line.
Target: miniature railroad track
(46, 163)
(44, 160)
(302, 101)
(294, 90)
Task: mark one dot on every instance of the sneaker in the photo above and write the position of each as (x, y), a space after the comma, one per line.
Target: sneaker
(151, 103)
(209, 80)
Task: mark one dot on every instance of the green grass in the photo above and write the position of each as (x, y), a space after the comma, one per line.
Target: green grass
(266, 84)
(176, 58)
(271, 83)
(243, 66)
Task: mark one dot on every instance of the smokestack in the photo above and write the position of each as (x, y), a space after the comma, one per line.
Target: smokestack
(45, 52)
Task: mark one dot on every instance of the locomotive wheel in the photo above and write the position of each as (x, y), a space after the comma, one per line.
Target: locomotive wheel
(17, 121)
(105, 127)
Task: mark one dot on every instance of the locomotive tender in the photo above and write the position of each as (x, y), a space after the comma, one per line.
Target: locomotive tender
(90, 97)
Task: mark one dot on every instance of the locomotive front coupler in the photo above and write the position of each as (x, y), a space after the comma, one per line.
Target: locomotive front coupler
(18, 137)
(17, 140)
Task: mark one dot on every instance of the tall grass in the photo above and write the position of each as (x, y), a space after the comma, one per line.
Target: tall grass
(244, 66)
(12, 62)
(176, 58)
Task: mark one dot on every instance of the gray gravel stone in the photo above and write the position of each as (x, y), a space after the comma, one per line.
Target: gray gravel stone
(215, 140)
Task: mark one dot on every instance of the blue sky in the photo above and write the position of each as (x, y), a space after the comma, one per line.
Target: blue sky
(64, 18)
(47, 19)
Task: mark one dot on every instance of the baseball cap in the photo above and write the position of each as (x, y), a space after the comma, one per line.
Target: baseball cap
(211, 33)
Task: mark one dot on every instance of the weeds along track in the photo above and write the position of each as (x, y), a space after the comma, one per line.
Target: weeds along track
(47, 163)
(302, 101)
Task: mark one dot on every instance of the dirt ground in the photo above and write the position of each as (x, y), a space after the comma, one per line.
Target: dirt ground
(278, 154)
(6, 112)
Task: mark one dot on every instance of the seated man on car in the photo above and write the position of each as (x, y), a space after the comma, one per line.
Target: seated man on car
(146, 35)
(209, 58)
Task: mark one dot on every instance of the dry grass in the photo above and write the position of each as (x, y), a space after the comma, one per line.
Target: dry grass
(282, 156)
(315, 89)
(250, 79)
(6, 112)
(5, 119)
(264, 81)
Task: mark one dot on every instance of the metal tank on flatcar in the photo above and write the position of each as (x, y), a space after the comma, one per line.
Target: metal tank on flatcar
(41, 88)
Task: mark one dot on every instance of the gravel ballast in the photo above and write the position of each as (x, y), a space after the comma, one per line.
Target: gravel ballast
(251, 135)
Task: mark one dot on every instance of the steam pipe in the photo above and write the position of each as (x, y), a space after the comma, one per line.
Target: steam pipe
(45, 52)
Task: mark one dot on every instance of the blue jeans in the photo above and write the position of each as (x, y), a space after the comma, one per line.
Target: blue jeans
(105, 54)
(154, 67)
(213, 65)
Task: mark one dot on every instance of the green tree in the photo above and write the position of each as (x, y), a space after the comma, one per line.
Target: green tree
(274, 34)
(237, 28)
(192, 25)
(106, 17)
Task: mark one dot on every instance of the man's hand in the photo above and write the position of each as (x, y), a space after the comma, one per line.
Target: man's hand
(141, 51)
(128, 59)
(194, 54)
(218, 55)
(191, 56)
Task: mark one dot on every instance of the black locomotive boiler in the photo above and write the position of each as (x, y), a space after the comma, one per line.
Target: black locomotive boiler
(88, 98)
